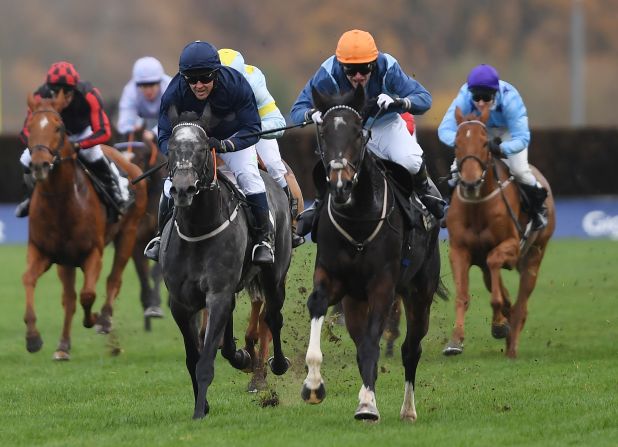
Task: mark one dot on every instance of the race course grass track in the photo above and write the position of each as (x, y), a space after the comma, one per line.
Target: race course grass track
(562, 390)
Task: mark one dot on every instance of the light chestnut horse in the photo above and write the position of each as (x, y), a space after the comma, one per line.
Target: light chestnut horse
(68, 225)
(487, 227)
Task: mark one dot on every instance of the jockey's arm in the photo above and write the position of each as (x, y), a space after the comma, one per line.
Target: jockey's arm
(403, 86)
(270, 114)
(128, 118)
(516, 117)
(99, 122)
(448, 127)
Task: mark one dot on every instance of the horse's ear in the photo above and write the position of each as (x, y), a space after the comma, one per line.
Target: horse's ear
(33, 101)
(359, 98)
(458, 115)
(318, 99)
(172, 114)
(206, 117)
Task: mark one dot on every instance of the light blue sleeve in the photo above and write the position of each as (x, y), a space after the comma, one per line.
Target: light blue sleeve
(448, 127)
(128, 119)
(516, 118)
(267, 108)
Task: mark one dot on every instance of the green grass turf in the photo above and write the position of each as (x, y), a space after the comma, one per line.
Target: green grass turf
(562, 390)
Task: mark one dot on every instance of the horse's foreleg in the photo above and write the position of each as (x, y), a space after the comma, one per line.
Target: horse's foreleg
(188, 328)
(143, 274)
(505, 254)
(69, 302)
(273, 318)
(219, 311)
(257, 332)
(37, 264)
(417, 323)
(460, 267)
(92, 269)
(313, 391)
(123, 247)
(251, 334)
(527, 281)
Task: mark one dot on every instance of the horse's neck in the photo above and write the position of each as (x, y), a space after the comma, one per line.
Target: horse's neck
(491, 181)
(368, 194)
(208, 209)
(62, 181)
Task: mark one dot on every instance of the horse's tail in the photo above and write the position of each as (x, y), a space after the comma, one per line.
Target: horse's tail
(442, 290)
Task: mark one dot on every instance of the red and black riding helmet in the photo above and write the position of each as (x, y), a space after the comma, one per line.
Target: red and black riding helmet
(62, 73)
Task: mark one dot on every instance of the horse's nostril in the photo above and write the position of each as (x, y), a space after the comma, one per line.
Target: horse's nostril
(191, 190)
(173, 190)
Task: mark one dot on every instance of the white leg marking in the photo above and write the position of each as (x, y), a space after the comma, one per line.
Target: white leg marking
(408, 410)
(367, 397)
(314, 355)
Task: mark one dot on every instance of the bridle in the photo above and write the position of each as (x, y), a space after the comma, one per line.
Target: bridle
(54, 152)
(339, 164)
(186, 164)
(479, 182)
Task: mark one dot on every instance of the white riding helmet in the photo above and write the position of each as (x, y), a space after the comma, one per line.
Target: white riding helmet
(147, 70)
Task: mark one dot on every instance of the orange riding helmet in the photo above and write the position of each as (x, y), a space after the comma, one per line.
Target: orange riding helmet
(356, 47)
(62, 73)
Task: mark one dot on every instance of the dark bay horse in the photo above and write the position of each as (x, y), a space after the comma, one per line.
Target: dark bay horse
(485, 224)
(68, 225)
(361, 240)
(146, 155)
(206, 256)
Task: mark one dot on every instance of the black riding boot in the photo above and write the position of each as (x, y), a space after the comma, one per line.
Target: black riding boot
(23, 208)
(103, 171)
(304, 221)
(166, 208)
(433, 202)
(263, 250)
(296, 239)
(538, 211)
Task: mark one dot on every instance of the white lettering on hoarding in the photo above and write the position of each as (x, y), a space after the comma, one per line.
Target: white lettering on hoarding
(597, 224)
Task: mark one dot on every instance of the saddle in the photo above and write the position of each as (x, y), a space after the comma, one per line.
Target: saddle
(113, 212)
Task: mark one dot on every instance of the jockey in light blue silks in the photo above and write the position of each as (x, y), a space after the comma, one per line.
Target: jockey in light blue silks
(507, 127)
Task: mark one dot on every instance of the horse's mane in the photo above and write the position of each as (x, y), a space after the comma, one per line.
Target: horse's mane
(353, 98)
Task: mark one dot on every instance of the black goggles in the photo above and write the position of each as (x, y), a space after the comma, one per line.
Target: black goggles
(204, 78)
(57, 87)
(147, 84)
(352, 69)
(483, 95)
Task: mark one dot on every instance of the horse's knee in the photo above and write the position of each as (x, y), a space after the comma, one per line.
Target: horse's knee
(317, 303)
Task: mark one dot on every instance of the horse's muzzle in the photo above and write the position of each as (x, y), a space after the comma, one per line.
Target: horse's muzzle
(40, 171)
(184, 188)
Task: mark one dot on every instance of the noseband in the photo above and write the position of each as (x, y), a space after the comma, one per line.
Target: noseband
(55, 152)
(185, 164)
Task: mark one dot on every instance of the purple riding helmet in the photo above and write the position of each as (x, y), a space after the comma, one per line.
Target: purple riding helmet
(485, 77)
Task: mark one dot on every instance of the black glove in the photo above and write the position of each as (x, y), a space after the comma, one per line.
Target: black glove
(219, 146)
(494, 147)
(404, 103)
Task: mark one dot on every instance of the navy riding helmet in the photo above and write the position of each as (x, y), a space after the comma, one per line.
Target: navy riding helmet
(199, 56)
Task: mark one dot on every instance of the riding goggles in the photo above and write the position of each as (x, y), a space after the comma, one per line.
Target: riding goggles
(204, 78)
(55, 88)
(483, 95)
(363, 69)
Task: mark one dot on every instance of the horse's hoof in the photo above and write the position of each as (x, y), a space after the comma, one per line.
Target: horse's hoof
(103, 325)
(61, 355)
(500, 330)
(278, 369)
(153, 312)
(366, 412)
(256, 384)
(453, 348)
(409, 416)
(241, 360)
(34, 343)
(313, 396)
(90, 322)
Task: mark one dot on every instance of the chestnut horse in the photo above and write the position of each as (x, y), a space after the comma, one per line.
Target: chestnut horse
(363, 247)
(488, 227)
(146, 155)
(68, 225)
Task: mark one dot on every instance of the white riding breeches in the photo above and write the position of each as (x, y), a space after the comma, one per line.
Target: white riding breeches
(244, 165)
(392, 141)
(268, 150)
